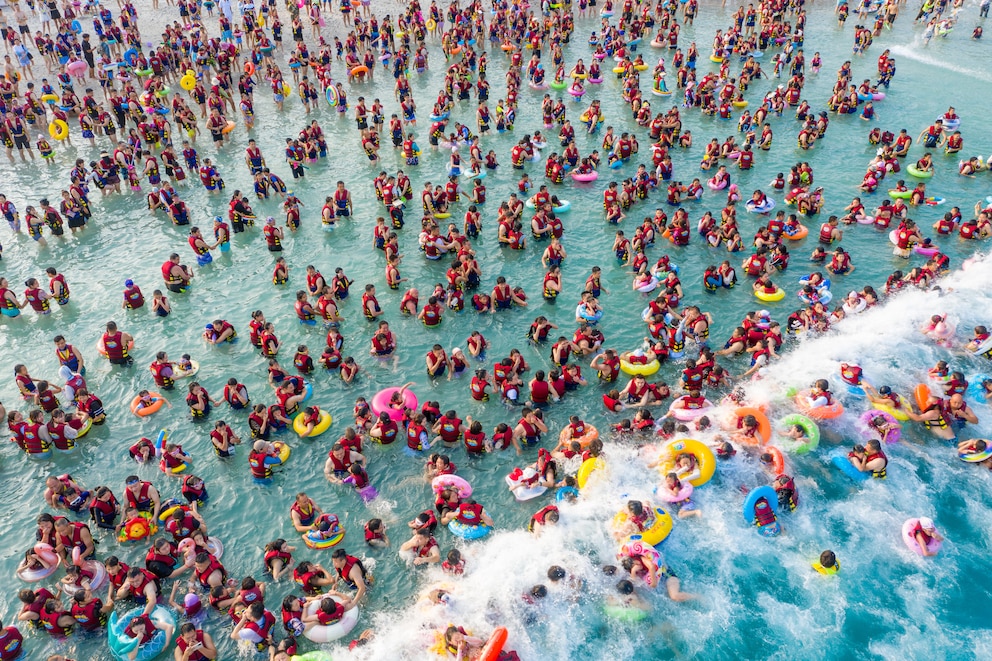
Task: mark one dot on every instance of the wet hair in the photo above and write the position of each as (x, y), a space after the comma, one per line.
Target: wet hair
(828, 559)
(625, 587)
(556, 573)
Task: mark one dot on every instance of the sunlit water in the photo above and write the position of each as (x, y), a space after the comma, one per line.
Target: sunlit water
(759, 598)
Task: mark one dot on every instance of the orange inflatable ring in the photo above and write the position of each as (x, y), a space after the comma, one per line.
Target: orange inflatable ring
(250, 68)
(827, 412)
(778, 461)
(922, 394)
(494, 645)
(227, 128)
(456, 50)
(360, 70)
(508, 48)
(764, 426)
(801, 233)
(591, 435)
(147, 410)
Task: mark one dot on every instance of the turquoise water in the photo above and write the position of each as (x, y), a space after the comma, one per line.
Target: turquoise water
(758, 597)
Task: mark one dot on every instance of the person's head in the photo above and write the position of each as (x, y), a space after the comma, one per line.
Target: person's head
(828, 559)
(556, 573)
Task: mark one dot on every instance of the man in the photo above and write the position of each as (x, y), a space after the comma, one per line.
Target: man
(352, 573)
(194, 644)
(177, 276)
(142, 496)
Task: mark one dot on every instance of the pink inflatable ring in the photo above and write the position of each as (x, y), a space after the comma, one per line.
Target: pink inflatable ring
(380, 403)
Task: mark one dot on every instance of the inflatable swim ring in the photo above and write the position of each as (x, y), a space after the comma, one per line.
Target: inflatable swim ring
(809, 427)
(380, 403)
(323, 424)
(656, 534)
(525, 493)
(688, 415)
(326, 633)
(892, 437)
(148, 410)
(705, 460)
(121, 645)
(751, 505)
(764, 426)
(588, 467)
(820, 412)
(777, 295)
(912, 543)
(464, 531)
(460, 484)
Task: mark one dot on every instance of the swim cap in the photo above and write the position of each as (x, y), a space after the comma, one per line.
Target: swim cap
(218, 219)
(129, 283)
(191, 600)
(926, 523)
(208, 327)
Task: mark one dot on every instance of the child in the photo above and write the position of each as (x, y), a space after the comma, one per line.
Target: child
(279, 558)
(185, 363)
(191, 609)
(160, 304)
(375, 534)
(828, 564)
(455, 564)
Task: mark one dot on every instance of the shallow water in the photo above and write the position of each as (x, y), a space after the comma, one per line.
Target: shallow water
(759, 597)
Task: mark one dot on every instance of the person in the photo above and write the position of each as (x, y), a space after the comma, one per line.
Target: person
(142, 496)
(642, 564)
(255, 626)
(11, 643)
(627, 597)
(870, 459)
(423, 547)
(194, 644)
(828, 564)
(116, 345)
(923, 533)
(352, 573)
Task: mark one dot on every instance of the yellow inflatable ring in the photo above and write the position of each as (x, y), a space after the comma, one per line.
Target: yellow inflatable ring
(164, 515)
(705, 459)
(739, 104)
(323, 423)
(85, 429)
(284, 451)
(716, 58)
(58, 130)
(50, 98)
(645, 370)
(898, 414)
(641, 67)
(586, 470)
(286, 89)
(187, 82)
(618, 69)
(777, 295)
(430, 24)
(654, 535)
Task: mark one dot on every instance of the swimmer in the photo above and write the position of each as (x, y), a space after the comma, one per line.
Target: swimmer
(869, 458)
(923, 534)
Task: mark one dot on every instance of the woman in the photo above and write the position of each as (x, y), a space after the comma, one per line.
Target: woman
(199, 400)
